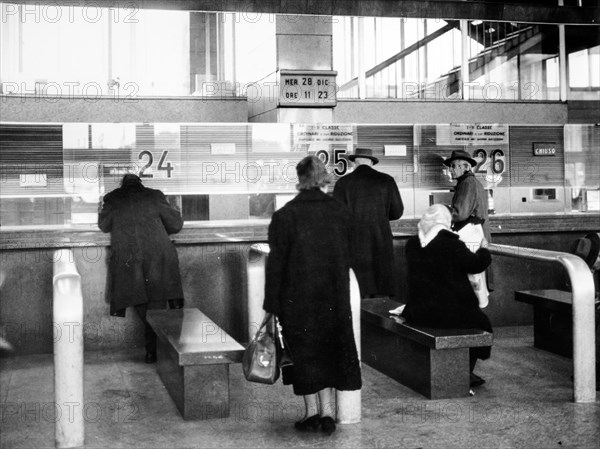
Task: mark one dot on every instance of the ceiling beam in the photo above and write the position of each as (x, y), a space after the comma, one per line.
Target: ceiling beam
(431, 9)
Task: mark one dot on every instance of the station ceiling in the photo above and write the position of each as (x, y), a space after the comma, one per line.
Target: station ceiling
(573, 12)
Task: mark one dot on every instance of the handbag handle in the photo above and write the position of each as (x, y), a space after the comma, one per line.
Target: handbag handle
(264, 323)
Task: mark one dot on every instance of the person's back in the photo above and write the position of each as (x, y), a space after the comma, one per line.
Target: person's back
(143, 263)
(316, 229)
(370, 196)
(374, 199)
(138, 211)
(439, 291)
(440, 294)
(307, 285)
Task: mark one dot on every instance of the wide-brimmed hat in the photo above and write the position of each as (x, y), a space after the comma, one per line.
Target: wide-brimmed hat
(587, 247)
(312, 173)
(367, 153)
(460, 154)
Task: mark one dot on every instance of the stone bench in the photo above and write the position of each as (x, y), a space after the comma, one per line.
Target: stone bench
(552, 319)
(433, 362)
(193, 357)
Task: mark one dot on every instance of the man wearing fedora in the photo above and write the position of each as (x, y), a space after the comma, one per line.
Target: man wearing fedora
(470, 200)
(374, 199)
(469, 205)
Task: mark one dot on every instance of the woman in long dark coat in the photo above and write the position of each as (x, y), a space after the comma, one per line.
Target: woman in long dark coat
(307, 287)
(144, 267)
(440, 294)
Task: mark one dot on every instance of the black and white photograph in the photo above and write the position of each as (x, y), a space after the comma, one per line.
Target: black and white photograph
(299, 224)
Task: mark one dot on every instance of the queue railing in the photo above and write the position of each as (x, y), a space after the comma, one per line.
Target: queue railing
(67, 317)
(583, 294)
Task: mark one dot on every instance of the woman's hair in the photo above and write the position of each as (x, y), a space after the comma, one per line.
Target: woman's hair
(438, 214)
(312, 173)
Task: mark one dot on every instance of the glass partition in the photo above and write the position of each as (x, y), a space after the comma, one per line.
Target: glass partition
(54, 50)
(56, 174)
(422, 59)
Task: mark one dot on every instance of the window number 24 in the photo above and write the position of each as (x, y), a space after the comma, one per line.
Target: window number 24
(149, 158)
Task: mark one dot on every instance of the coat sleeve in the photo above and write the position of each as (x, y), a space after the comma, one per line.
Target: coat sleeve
(396, 205)
(472, 262)
(170, 217)
(464, 200)
(105, 215)
(276, 263)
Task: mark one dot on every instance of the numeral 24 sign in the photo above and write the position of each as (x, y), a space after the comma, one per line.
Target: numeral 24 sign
(155, 164)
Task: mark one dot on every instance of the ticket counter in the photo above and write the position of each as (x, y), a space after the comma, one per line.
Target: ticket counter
(229, 178)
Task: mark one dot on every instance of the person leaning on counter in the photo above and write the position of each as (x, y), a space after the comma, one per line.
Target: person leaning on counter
(144, 267)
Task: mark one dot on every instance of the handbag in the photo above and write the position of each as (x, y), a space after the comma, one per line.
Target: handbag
(260, 362)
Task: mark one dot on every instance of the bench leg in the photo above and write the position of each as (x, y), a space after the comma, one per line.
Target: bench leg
(436, 374)
(199, 391)
(553, 331)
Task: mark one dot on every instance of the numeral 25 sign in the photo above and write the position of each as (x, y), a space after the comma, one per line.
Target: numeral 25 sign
(151, 167)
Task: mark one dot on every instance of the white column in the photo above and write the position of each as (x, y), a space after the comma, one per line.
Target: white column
(361, 64)
(562, 60)
(349, 403)
(68, 351)
(464, 66)
(256, 265)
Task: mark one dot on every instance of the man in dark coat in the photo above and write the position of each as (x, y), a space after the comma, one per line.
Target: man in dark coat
(440, 294)
(144, 267)
(307, 287)
(374, 199)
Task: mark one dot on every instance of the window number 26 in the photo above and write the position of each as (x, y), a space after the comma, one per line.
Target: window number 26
(162, 163)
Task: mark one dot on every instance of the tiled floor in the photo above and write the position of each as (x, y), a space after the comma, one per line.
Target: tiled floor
(526, 403)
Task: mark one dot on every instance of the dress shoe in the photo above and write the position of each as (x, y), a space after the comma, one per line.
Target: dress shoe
(151, 357)
(311, 423)
(476, 381)
(327, 425)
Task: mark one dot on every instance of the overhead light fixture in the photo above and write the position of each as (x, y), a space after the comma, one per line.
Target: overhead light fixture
(491, 30)
(476, 22)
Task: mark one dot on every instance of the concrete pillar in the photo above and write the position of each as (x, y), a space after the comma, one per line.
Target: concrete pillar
(303, 49)
(257, 260)
(68, 351)
(349, 402)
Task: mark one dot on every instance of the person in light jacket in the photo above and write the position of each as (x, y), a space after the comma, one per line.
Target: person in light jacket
(440, 294)
(143, 264)
(307, 287)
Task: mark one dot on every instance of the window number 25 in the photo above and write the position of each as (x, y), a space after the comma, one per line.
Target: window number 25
(162, 163)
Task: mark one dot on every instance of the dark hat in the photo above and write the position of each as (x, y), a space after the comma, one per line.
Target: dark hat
(460, 154)
(312, 173)
(367, 153)
(587, 248)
